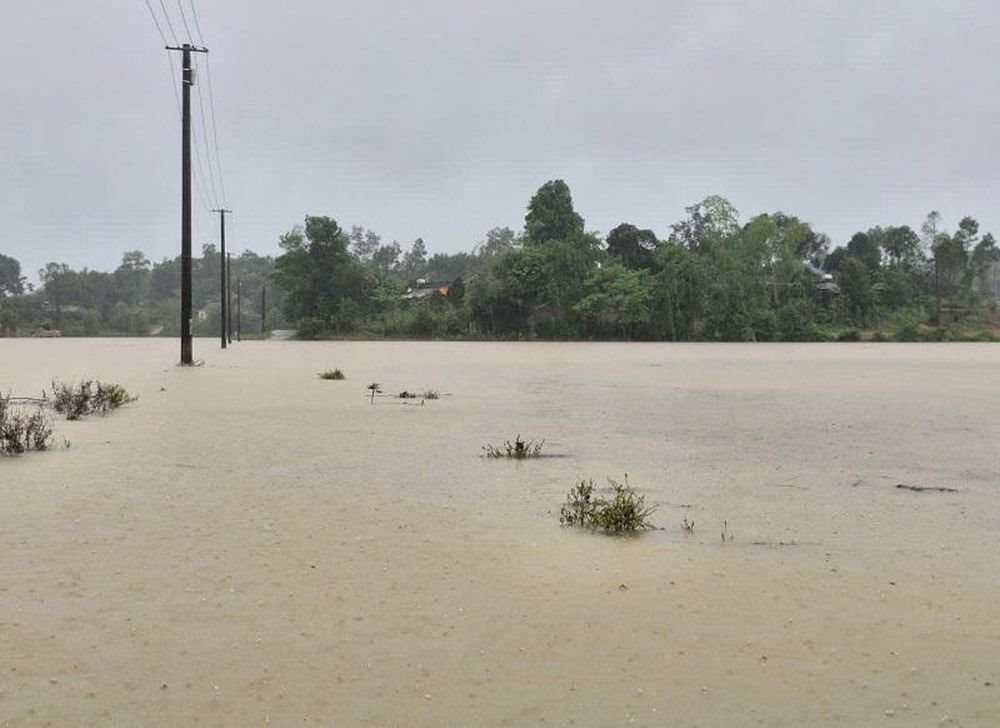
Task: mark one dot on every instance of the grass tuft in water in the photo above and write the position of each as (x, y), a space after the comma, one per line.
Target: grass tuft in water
(624, 511)
(517, 450)
(22, 430)
(332, 374)
(88, 397)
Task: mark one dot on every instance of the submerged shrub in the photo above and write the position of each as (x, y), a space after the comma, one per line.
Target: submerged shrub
(517, 450)
(332, 374)
(21, 431)
(624, 512)
(580, 507)
(88, 397)
(426, 394)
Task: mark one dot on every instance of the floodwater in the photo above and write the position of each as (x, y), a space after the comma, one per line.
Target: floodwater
(248, 544)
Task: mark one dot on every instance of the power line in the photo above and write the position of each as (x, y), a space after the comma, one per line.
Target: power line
(199, 178)
(169, 24)
(211, 107)
(184, 18)
(215, 130)
(156, 22)
(197, 25)
(203, 189)
(208, 194)
(206, 140)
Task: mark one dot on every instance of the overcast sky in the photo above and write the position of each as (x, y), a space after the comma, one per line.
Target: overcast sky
(439, 119)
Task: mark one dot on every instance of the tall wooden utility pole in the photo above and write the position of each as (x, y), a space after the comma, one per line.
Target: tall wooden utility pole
(263, 309)
(239, 310)
(187, 81)
(222, 273)
(229, 297)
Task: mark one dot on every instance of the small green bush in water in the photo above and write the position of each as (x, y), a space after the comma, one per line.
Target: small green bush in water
(88, 397)
(332, 374)
(21, 431)
(517, 450)
(624, 512)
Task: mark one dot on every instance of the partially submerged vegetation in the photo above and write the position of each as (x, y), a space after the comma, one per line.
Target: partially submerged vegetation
(425, 394)
(625, 511)
(88, 397)
(517, 450)
(332, 374)
(23, 428)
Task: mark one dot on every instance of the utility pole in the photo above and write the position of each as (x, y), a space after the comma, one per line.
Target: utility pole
(222, 272)
(239, 310)
(263, 309)
(187, 81)
(229, 297)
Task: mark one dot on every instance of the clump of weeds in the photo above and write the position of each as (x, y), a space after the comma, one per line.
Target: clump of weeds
(332, 374)
(425, 394)
(88, 397)
(517, 450)
(23, 429)
(580, 508)
(623, 511)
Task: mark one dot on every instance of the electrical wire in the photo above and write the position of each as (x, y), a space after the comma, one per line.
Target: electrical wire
(156, 22)
(204, 184)
(207, 141)
(197, 25)
(217, 156)
(169, 24)
(199, 186)
(215, 129)
(185, 20)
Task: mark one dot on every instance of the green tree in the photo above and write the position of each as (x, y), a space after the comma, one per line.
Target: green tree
(985, 257)
(498, 240)
(316, 270)
(551, 215)
(864, 247)
(415, 259)
(364, 243)
(679, 285)
(132, 277)
(617, 299)
(901, 245)
(707, 222)
(11, 280)
(632, 246)
(856, 287)
(386, 258)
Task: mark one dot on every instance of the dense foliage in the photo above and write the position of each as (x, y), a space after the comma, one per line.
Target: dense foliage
(139, 298)
(710, 277)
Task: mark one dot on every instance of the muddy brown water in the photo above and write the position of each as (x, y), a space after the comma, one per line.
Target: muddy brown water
(248, 544)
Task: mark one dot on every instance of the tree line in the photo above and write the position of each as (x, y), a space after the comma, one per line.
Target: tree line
(138, 298)
(710, 277)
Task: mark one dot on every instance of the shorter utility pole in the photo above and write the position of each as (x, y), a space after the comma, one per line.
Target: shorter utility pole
(263, 309)
(229, 297)
(222, 273)
(239, 310)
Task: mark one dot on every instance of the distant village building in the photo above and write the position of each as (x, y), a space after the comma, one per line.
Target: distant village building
(425, 289)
